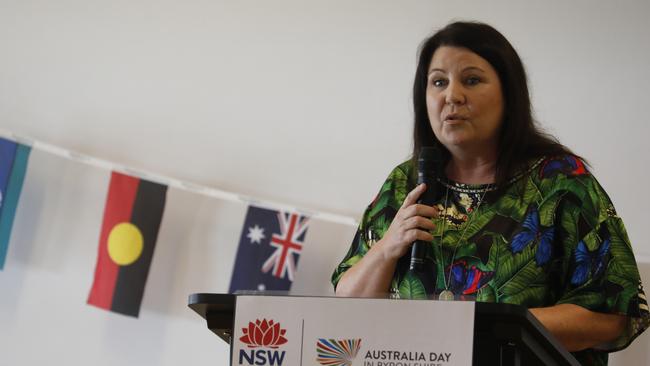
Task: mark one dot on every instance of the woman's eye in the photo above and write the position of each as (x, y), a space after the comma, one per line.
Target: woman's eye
(473, 80)
(438, 82)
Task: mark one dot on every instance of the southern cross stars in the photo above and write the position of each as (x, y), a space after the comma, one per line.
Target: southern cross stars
(255, 234)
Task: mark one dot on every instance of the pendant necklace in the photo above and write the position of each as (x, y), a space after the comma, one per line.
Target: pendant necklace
(447, 294)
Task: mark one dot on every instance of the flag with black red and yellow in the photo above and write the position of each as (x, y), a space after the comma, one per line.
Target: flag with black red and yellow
(132, 216)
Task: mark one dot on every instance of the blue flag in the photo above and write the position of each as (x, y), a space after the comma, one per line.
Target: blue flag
(13, 163)
(269, 249)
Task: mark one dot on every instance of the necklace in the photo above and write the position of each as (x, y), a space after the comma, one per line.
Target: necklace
(446, 294)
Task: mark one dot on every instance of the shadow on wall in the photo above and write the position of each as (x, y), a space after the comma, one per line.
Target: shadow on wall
(638, 352)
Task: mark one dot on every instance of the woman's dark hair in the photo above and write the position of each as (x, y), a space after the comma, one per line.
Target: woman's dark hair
(520, 139)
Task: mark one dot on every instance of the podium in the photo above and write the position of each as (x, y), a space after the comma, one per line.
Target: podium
(503, 334)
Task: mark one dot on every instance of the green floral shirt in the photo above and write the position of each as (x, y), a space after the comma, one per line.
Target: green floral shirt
(551, 236)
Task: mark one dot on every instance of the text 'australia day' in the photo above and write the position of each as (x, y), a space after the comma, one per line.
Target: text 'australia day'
(396, 358)
(399, 363)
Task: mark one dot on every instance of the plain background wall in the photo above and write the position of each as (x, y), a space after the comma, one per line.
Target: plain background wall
(301, 102)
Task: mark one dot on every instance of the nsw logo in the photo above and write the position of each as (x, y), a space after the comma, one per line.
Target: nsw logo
(333, 352)
(262, 337)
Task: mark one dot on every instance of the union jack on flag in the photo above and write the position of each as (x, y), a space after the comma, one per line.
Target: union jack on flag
(287, 245)
(269, 249)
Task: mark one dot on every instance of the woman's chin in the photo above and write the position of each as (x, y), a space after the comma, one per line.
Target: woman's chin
(456, 141)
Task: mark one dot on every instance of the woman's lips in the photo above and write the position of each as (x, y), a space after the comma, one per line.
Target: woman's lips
(455, 118)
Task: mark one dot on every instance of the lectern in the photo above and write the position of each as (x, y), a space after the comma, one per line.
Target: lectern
(503, 334)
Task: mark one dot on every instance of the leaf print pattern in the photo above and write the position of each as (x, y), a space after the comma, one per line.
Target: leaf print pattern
(528, 243)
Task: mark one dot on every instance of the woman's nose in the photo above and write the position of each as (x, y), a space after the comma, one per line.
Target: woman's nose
(454, 94)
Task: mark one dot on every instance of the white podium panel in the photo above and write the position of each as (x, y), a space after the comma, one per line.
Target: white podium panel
(292, 331)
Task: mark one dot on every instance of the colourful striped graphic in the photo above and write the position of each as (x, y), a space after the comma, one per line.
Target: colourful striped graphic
(332, 352)
(13, 164)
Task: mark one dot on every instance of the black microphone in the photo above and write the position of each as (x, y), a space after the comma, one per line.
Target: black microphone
(428, 165)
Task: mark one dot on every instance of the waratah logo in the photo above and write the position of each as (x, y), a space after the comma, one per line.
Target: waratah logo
(263, 334)
(332, 352)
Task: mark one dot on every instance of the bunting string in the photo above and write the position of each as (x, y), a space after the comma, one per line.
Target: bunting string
(172, 182)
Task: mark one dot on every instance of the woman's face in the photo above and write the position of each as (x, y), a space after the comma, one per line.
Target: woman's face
(464, 100)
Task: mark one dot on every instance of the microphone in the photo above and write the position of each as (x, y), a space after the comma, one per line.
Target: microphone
(428, 164)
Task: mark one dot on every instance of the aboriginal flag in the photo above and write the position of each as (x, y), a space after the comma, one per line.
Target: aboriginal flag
(132, 216)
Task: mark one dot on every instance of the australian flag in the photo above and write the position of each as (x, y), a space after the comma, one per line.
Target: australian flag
(269, 249)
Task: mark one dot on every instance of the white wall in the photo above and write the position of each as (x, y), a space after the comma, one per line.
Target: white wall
(301, 102)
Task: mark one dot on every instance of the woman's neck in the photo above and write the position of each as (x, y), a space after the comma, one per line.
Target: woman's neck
(472, 170)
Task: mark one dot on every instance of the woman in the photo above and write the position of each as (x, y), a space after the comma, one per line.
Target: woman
(520, 218)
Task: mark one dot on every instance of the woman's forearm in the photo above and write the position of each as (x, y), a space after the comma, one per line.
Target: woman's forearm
(578, 328)
(370, 277)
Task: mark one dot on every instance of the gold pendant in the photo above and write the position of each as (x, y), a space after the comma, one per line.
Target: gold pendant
(446, 295)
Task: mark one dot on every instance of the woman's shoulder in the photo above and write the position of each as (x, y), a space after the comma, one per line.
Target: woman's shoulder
(403, 175)
(566, 165)
(399, 182)
(567, 174)
(555, 174)
(551, 168)
(406, 168)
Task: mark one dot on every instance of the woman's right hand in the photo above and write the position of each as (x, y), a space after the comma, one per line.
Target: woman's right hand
(412, 222)
(371, 276)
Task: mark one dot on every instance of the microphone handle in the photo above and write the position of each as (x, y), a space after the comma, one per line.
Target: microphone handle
(418, 249)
